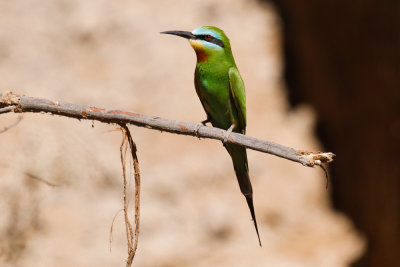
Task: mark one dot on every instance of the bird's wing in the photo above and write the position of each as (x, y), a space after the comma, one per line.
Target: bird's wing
(237, 91)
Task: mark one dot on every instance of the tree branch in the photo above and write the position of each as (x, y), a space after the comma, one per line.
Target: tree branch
(10, 102)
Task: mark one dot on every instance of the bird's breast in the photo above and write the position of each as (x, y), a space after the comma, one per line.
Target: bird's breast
(212, 85)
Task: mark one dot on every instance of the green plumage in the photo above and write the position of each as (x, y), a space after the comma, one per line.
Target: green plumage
(221, 92)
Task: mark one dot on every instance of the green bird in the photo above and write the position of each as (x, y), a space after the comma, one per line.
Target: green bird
(221, 91)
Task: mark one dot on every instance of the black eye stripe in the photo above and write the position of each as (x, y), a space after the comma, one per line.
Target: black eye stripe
(210, 39)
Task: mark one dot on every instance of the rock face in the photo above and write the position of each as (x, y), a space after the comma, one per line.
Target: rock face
(110, 54)
(344, 58)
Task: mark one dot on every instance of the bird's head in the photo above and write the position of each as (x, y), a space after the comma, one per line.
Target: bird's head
(206, 41)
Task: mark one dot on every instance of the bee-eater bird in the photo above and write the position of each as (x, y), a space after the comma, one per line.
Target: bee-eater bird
(221, 91)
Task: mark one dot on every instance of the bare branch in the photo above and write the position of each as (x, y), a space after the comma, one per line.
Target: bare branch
(37, 105)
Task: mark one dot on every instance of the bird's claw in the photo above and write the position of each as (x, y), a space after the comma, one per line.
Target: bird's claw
(227, 134)
(205, 121)
(201, 124)
(198, 126)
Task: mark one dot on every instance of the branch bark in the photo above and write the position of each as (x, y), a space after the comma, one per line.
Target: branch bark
(11, 102)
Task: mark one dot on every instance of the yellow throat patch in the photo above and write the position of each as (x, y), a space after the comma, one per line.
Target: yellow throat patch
(199, 49)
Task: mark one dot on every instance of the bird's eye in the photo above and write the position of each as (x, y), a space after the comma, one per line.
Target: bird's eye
(207, 37)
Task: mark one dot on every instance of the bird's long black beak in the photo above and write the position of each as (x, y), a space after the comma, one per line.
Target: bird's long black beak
(187, 35)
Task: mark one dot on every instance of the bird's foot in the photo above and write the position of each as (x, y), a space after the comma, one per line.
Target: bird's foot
(227, 134)
(196, 131)
(205, 121)
(201, 124)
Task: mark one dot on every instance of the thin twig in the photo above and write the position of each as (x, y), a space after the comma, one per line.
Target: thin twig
(6, 128)
(326, 175)
(110, 237)
(37, 105)
(128, 226)
(30, 175)
(7, 109)
(133, 149)
(132, 237)
(37, 178)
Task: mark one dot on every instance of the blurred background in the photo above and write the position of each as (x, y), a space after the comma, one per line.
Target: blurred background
(318, 76)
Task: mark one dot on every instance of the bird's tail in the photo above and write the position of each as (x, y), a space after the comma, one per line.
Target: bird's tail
(239, 159)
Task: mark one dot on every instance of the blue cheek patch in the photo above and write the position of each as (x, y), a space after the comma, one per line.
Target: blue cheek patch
(210, 45)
